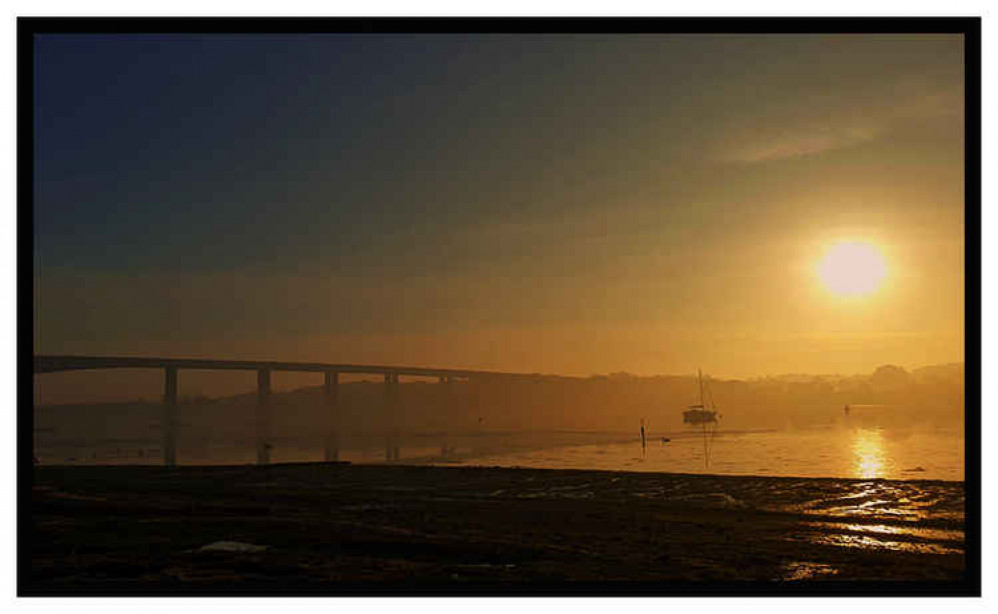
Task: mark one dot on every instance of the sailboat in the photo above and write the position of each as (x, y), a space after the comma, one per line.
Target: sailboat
(704, 417)
(699, 414)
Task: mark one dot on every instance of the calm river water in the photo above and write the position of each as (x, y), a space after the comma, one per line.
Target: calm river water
(843, 452)
(840, 451)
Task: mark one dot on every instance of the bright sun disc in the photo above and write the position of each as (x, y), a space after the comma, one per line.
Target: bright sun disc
(852, 269)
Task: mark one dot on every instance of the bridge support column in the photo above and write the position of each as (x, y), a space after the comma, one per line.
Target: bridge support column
(263, 445)
(170, 417)
(332, 385)
(392, 450)
(397, 450)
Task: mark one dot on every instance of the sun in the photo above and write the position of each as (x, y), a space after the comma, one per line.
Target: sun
(852, 268)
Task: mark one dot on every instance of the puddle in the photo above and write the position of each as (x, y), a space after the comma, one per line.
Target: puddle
(884, 529)
(225, 546)
(869, 542)
(806, 570)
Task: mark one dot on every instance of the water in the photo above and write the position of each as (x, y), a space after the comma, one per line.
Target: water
(841, 452)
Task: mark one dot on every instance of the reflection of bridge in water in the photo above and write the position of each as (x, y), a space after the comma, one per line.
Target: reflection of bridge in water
(330, 372)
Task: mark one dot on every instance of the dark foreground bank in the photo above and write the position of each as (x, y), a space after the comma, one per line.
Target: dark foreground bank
(341, 529)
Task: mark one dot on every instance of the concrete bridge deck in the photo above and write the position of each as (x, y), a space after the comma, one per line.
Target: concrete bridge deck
(56, 363)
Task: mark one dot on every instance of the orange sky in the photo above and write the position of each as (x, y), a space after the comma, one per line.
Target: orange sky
(574, 205)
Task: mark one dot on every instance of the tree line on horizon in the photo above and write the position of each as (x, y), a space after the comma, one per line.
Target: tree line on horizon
(615, 403)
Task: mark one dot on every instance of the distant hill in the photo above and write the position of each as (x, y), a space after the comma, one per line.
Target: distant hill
(952, 372)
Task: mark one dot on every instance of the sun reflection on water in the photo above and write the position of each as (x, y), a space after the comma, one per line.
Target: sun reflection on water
(868, 448)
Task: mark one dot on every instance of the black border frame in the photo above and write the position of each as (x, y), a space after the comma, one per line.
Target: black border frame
(969, 27)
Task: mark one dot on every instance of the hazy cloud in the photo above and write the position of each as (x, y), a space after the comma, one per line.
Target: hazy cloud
(818, 125)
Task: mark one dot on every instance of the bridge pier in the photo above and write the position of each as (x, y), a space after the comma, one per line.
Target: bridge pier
(170, 417)
(332, 385)
(263, 416)
(392, 450)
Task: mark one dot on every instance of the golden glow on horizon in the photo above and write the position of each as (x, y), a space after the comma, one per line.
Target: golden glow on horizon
(852, 268)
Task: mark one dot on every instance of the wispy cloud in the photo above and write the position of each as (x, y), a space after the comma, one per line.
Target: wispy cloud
(802, 143)
(784, 132)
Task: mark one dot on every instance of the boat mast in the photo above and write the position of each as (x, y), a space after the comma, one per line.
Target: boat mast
(700, 379)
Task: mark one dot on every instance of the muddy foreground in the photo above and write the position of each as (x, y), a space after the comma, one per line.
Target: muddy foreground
(342, 529)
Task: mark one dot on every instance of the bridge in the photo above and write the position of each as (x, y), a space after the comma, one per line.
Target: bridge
(171, 367)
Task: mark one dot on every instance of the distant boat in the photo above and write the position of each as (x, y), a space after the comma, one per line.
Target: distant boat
(704, 417)
(700, 414)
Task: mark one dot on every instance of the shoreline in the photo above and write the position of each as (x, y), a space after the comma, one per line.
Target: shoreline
(461, 464)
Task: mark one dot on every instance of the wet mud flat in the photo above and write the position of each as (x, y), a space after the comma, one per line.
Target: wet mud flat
(348, 529)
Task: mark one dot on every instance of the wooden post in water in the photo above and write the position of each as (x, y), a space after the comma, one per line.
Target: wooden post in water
(263, 416)
(444, 448)
(332, 385)
(170, 418)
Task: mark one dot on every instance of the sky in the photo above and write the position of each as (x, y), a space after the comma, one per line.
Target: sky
(531, 203)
